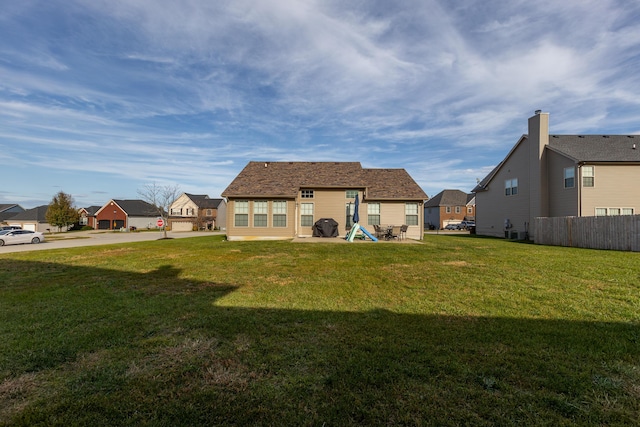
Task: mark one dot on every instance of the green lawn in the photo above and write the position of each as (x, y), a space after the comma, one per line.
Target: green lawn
(458, 330)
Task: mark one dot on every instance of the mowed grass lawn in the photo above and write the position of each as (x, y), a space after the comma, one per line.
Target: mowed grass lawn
(459, 330)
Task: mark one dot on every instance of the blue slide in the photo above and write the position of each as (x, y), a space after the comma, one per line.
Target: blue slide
(369, 235)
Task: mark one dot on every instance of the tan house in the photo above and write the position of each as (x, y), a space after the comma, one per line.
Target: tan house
(34, 219)
(197, 212)
(558, 175)
(449, 207)
(282, 200)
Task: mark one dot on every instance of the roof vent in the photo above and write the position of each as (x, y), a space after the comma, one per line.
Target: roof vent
(605, 136)
(634, 146)
(580, 136)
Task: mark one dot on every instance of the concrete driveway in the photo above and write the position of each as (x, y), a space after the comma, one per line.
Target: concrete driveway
(95, 237)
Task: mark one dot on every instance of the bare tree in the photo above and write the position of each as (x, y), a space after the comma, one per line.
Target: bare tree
(161, 197)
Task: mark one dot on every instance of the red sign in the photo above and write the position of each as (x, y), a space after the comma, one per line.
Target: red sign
(160, 222)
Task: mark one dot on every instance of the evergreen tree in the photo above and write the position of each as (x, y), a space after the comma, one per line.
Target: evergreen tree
(61, 212)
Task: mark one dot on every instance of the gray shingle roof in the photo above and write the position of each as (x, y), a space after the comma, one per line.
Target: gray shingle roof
(597, 148)
(36, 214)
(285, 179)
(203, 201)
(137, 208)
(448, 198)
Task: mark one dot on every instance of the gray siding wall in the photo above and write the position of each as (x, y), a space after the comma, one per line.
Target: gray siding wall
(562, 201)
(493, 206)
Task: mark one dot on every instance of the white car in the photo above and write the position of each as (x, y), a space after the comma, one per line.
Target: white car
(16, 237)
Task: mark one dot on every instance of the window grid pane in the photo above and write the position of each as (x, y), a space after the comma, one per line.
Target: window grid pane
(306, 214)
(279, 213)
(260, 220)
(279, 220)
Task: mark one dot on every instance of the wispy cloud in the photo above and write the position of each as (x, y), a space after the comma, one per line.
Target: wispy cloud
(191, 90)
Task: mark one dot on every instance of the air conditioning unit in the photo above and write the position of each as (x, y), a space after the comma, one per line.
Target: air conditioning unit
(514, 235)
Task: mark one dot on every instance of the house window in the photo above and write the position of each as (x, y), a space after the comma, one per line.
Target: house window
(209, 212)
(83, 220)
(241, 213)
(260, 211)
(448, 209)
(306, 214)
(175, 211)
(373, 213)
(469, 209)
(587, 176)
(306, 194)
(189, 211)
(569, 177)
(350, 209)
(614, 211)
(279, 213)
(351, 194)
(511, 187)
(457, 209)
(411, 213)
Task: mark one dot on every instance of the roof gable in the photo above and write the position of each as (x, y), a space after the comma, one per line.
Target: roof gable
(448, 198)
(13, 208)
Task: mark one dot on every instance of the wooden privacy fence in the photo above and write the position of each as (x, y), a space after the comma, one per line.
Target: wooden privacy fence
(620, 233)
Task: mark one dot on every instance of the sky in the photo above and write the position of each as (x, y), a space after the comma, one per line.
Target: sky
(99, 98)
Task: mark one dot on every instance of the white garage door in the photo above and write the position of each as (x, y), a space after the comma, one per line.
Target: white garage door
(31, 227)
(181, 226)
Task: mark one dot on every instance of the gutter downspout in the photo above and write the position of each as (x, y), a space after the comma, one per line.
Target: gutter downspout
(580, 188)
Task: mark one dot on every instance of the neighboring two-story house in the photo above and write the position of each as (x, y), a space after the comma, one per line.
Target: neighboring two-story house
(197, 212)
(449, 207)
(282, 200)
(558, 175)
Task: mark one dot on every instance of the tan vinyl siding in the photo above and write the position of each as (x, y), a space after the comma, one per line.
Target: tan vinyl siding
(327, 204)
(270, 232)
(615, 186)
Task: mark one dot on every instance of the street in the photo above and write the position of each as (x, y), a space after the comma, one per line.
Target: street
(97, 237)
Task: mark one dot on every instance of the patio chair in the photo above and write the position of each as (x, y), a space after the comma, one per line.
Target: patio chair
(395, 232)
(403, 231)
